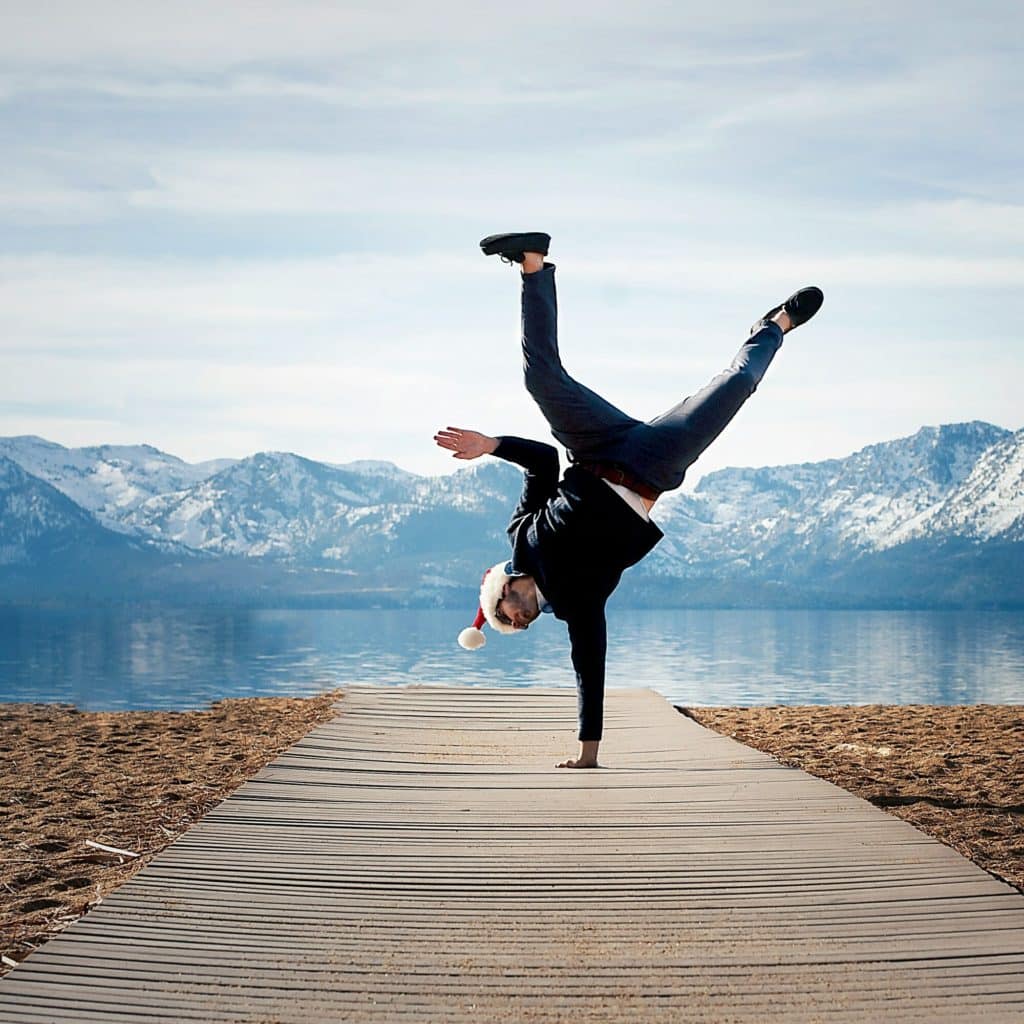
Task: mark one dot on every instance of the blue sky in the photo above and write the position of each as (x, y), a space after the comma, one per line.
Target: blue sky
(234, 228)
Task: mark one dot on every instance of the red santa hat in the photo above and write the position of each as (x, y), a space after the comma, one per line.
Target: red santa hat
(491, 587)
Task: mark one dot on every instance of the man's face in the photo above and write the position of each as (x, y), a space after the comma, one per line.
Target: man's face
(518, 605)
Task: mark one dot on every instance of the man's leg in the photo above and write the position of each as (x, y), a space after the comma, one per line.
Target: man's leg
(662, 451)
(579, 418)
(659, 452)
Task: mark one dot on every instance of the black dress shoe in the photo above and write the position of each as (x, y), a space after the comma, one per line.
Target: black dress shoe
(800, 306)
(511, 247)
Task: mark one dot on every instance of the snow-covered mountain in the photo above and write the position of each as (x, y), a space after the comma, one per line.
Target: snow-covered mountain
(34, 517)
(743, 520)
(279, 505)
(270, 504)
(43, 532)
(937, 517)
(109, 480)
(989, 503)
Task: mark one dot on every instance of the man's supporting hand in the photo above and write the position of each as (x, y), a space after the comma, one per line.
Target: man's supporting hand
(465, 444)
(587, 758)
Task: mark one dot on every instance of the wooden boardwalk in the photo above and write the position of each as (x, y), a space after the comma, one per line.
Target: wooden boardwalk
(419, 859)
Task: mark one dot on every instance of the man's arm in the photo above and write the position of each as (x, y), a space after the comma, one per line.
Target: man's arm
(588, 634)
(540, 461)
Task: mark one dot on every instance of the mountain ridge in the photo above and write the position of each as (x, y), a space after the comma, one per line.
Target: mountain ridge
(901, 513)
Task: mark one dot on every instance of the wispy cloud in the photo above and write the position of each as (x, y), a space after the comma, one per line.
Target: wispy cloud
(240, 226)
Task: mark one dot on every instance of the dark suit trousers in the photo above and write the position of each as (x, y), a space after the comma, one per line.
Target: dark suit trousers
(657, 452)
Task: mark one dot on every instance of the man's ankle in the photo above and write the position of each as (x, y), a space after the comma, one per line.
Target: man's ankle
(532, 262)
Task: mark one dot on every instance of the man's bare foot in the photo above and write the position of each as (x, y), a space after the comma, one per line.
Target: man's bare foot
(532, 262)
(587, 758)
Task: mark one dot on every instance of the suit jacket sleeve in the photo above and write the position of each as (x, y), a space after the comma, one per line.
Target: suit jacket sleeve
(541, 478)
(588, 635)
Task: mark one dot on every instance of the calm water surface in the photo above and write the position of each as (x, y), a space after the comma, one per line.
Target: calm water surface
(174, 658)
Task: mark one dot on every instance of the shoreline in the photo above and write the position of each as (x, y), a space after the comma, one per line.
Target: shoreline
(94, 796)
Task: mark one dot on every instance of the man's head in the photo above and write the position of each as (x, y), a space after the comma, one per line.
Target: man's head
(507, 600)
(518, 605)
(508, 604)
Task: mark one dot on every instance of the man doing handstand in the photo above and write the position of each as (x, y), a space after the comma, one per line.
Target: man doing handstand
(573, 537)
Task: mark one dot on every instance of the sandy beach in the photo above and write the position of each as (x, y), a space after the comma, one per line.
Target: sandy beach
(131, 780)
(134, 781)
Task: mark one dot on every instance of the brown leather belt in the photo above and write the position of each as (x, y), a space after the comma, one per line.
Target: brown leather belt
(617, 475)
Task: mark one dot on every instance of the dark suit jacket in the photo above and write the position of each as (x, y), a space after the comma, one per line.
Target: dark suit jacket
(574, 536)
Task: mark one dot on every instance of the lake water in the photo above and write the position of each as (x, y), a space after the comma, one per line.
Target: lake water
(174, 658)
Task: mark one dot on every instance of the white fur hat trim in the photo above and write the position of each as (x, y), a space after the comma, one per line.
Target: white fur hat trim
(490, 594)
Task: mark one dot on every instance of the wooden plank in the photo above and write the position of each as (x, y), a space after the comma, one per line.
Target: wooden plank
(418, 858)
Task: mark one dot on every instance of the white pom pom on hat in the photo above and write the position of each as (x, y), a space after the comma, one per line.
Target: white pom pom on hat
(472, 637)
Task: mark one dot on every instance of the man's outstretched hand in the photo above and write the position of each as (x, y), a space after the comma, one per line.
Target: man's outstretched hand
(465, 444)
